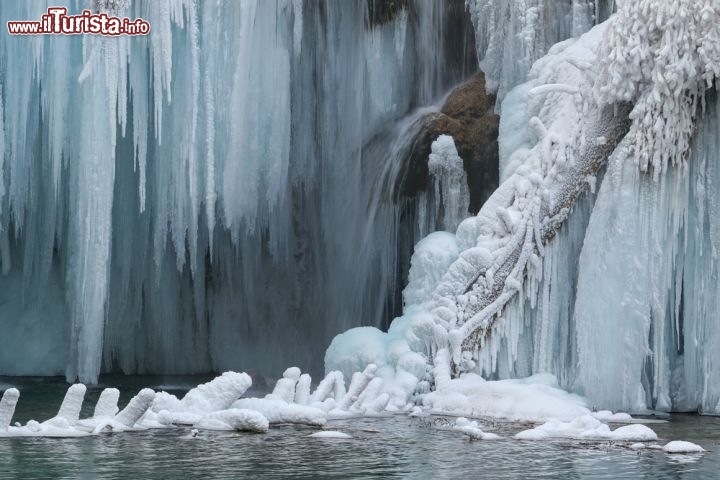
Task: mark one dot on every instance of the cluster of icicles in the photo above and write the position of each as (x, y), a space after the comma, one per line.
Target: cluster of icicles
(216, 405)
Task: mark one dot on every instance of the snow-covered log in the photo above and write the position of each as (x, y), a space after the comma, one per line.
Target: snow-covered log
(7, 407)
(234, 419)
(107, 404)
(358, 384)
(279, 411)
(72, 403)
(218, 394)
(137, 407)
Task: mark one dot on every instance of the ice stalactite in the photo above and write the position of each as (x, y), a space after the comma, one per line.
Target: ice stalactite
(168, 203)
(656, 240)
(446, 202)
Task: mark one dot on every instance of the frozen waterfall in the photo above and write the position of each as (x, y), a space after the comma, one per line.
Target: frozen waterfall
(206, 197)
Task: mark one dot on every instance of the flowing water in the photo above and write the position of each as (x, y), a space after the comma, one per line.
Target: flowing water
(389, 447)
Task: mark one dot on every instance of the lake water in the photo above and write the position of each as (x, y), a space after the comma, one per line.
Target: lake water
(390, 447)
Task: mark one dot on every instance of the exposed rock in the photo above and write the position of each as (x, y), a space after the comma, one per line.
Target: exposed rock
(383, 11)
(468, 116)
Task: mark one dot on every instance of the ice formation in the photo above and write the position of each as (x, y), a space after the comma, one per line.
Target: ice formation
(218, 406)
(446, 203)
(511, 35)
(183, 258)
(590, 262)
(168, 203)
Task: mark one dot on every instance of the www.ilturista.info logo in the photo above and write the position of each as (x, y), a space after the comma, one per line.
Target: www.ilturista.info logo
(57, 22)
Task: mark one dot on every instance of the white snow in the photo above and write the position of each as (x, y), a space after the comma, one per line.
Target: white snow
(473, 430)
(660, 56)
(72, 403)
(534, 399)
(7, 407)
(279, 411)
(587, 427)
(285, 387)
(234, 419)
(610, 417)
(218, 394)
(107, 404)
(680, 446)
(136, 408)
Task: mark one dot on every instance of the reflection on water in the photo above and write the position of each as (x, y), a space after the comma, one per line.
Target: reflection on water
(387, 447)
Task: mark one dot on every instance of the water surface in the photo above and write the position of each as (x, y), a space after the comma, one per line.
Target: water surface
(390, 447)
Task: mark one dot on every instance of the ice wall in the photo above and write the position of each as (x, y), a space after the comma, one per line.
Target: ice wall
(511, 35)
(622, 308)
(206, 197)
(636, 329)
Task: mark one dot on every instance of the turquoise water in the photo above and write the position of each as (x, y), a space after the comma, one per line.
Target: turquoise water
(391, 447)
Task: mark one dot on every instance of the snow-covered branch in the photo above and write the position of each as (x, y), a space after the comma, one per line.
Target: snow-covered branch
(661, 56)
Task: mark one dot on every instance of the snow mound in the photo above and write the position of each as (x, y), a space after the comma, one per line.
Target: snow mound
(610, 417)
(680, 446)
(534, 399)
(587, 427)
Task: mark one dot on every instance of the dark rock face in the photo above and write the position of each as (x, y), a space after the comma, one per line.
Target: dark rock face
(468, 116)
(383, 11)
